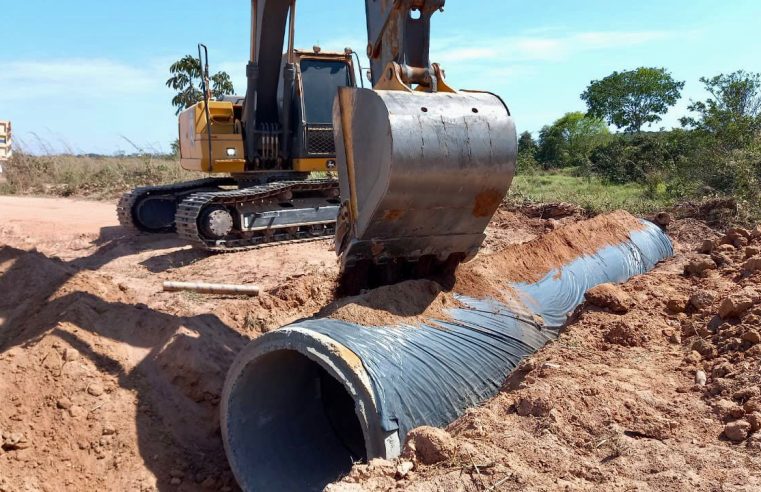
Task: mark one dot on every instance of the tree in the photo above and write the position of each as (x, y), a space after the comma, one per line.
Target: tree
(526, 144)
(186, 79)
(632, 99)
(570, 140)
(733, 112)
(527, 149)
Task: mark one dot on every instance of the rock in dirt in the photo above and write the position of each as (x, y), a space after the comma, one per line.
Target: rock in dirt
(702, 300)
(723, 259)
(64, 403)
(735, 306)
(700, 266)
(740, 242)
(753, 265)
(70, 354)
(626, 334)
(751, 251)
(96, 389)
(429, 445)
(752, 336)
(727, 410)
(756, 233)
(404, 469)
(733, 235)
(754, 419)
(664, 219)
(701, 378)
(707, 247)
(534, 407)
(737, 431)
(610, 297)
(678, 304)
(15, 441)
(77, 412)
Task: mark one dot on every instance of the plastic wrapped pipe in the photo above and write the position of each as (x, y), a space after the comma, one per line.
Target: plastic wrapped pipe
(303, 403)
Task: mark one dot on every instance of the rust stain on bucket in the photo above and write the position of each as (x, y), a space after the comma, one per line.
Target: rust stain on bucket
(487, 203)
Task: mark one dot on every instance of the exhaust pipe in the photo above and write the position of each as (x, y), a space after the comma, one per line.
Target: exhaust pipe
(302, 404)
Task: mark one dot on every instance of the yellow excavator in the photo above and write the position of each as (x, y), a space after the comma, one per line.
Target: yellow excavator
(421, 167)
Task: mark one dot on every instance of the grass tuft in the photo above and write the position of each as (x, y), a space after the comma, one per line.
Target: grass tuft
(87, 176)
(591, 193)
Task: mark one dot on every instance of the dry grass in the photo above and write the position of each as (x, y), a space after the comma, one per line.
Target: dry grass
(85, 176)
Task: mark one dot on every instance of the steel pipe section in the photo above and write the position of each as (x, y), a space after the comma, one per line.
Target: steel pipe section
(302, 404)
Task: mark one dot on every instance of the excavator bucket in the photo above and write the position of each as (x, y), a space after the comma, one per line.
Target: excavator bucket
(421, 175)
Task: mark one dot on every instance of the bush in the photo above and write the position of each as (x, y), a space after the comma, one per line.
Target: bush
(642, 157)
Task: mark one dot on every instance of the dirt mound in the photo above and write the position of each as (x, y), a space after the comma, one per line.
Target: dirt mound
(489, 275)
(611, 297)
(531, 261)
(97, 378)
(412, 302)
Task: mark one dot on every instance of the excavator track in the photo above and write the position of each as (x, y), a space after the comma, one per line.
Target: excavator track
(127, 207)
(266, 197)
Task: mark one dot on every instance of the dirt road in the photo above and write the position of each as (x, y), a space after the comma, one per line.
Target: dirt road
(110, 384)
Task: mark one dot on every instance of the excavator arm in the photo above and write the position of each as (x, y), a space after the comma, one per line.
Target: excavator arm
(399, 35)
(265, 127)
(423, 167)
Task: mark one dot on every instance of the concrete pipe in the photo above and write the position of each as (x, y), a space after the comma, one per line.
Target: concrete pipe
(303, 403)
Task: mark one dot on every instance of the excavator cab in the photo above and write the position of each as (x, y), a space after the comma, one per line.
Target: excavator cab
(317, 76)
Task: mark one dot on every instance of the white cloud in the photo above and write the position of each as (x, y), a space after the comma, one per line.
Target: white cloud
(96, 78)
(538, 48)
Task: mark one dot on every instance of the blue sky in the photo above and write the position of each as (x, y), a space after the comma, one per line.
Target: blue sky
(81, 75)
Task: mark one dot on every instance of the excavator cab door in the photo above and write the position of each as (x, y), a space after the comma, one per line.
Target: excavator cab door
(318, 79)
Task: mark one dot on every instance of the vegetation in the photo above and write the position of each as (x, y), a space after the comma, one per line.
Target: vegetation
(90, 176)
(186, 79)
(592, 193)
(570, 141)
(716, 154)
(632, 99)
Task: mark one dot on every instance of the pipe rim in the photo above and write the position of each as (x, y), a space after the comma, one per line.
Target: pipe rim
(339, 362)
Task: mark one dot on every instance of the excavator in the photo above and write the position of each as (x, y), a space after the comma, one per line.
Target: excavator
(422, 167)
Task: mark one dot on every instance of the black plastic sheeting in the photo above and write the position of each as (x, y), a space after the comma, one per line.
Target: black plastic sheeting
(430, 374)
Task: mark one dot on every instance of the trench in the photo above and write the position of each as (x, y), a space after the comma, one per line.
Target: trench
(303, 403)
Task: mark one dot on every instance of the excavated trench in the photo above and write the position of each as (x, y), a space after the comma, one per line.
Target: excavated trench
(303, 403)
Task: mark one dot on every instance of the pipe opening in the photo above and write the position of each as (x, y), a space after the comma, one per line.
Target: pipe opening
(291, 425)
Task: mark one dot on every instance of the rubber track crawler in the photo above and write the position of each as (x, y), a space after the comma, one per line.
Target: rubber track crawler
(249, 218)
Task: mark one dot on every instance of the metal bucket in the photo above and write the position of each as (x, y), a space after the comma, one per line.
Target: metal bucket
(421, 174)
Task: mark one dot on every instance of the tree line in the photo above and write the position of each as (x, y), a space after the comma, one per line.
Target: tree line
(717, 150)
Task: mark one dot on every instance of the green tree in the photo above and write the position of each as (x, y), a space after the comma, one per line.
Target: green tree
(527, 149)
(527, 144)
(186, 79)
(733, 112)
(570, 141)
(632, 99)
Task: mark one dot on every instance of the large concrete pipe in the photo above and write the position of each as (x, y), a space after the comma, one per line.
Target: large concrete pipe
(303, 403)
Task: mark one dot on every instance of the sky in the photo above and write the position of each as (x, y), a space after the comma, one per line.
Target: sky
(87, 76)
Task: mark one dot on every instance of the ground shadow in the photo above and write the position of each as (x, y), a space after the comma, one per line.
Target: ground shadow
(174, 259)
(178, 383)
